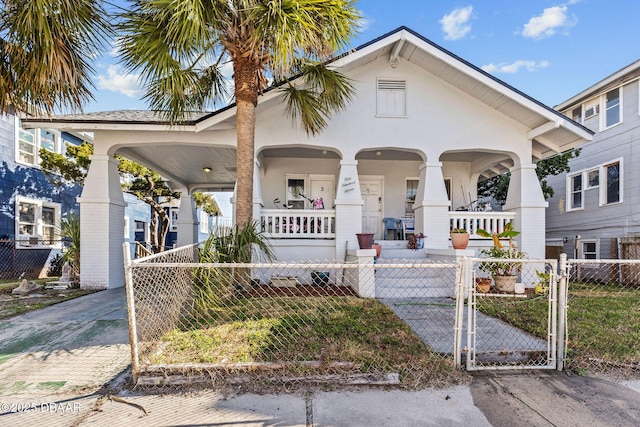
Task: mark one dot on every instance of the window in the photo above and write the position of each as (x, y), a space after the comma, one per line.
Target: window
(410, 195)
(141, 231)
(36, 222)
(591, 108)
(611, 188)
(296, 190)
(589, 249)
(576, 114)
(575, 192)
(29, 141)
(391, 98)
(204, 222)
(173, 218)
(593, 178)
(612, 106)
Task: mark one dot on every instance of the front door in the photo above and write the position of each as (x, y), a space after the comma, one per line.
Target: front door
(322, 188)
(371, 190)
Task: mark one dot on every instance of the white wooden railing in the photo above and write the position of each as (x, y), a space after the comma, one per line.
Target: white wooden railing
(298, 223)
(472, 221)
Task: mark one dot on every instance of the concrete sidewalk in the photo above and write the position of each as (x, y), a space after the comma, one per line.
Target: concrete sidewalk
(54, 362)
(79, 344)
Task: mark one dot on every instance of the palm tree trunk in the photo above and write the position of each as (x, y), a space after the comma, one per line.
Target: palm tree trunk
(246, 90)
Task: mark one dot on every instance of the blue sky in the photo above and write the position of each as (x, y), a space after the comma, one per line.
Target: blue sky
(551, 50)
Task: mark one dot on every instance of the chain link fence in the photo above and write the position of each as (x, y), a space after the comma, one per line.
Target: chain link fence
(406, 322)
(29, 259)
(512, 314)
(271, 323)
(603, 317)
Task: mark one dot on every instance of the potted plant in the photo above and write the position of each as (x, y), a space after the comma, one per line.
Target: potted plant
(459, 238)
(504, 272)
(416, 241)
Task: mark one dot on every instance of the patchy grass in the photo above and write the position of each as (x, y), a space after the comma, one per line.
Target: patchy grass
(296, 329)
(603, 322)
(11, 305)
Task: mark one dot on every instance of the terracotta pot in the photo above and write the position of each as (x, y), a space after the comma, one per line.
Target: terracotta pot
(505, 284)
(459, 240)
(378, 249)
(483, 284)
(365, 240)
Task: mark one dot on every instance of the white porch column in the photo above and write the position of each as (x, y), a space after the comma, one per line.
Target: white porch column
(525, 198)
(102, 225)
(432, 211)
(258, 203)
(187, 220)
(348, 204)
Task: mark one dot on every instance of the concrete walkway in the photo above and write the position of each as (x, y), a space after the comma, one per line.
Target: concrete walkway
(433, 320)
(79, 344)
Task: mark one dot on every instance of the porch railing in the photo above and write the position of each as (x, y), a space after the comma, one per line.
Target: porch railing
(298, 223)
(472, 221)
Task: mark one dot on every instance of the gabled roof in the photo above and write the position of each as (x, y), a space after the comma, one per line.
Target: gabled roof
(550, 131)
(625, 74)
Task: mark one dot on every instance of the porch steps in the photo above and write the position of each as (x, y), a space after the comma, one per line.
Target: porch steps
(414, 282)
(397, 249)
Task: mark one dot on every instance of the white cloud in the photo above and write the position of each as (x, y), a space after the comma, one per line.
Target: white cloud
(117, 81)
(546, 25)
(515, 66)
(455, 25)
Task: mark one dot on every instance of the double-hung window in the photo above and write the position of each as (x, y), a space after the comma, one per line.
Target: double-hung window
(575, 191)
(613, 108)
(589, 249)
(611, 188)
(36, 222)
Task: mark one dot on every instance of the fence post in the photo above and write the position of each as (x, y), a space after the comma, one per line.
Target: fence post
(463, 279)
(131, 310)
(562, 309)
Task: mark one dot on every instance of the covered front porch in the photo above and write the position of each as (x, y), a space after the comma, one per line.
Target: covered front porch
(377, 188)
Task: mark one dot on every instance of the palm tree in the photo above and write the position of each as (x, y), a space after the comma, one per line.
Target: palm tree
(180, 47)
(46, 47)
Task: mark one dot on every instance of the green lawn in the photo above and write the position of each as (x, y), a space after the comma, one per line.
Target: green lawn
(295, 329)
(603, 323)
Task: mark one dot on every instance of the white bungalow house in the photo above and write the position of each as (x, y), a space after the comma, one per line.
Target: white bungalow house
(424, 127)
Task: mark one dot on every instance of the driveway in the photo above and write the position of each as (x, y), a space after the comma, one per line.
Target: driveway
(75, 346)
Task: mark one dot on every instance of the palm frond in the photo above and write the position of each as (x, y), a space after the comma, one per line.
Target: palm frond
(47, 52)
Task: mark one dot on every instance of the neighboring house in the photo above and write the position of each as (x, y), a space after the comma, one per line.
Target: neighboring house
(31, 208)
(598, 199)
(423, 128)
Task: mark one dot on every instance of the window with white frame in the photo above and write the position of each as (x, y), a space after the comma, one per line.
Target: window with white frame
(611, 188)
(591, 108)
(204, 222)
(391, 98)
(36, 222)
(173, 217)
(29, 142)
(575, 191)
(613, 108)
(589, 249)
(593, 178)
(411, 190)
(576, 114)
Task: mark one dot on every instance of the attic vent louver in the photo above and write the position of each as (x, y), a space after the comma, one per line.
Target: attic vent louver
(391, 84)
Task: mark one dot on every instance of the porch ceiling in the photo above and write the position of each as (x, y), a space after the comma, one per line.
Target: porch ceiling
(183, 165)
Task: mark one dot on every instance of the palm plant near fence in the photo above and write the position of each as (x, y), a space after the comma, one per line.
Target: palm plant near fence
(233, 245)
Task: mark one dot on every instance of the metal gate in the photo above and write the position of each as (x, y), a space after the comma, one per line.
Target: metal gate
(509, 328)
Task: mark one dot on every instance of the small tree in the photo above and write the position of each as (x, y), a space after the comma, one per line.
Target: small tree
(141, 181)
(498, 186)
